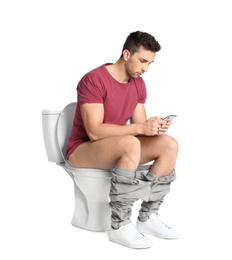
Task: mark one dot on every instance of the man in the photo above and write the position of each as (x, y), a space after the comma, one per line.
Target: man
(108, 97)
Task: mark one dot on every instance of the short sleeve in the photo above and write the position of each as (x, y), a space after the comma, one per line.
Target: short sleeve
(142, 92)
(90, 90)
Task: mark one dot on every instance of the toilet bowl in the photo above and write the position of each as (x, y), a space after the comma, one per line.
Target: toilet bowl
(91, 186)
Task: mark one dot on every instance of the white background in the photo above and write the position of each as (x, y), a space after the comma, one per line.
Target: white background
(46, 47)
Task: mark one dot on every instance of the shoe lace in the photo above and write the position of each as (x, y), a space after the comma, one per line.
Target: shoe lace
(159, 223)
(133, 232)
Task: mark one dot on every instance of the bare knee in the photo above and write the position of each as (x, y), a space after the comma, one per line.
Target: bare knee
(173, 145)
(169, 145)
(131, 152)
(167, 156)
(131, 148)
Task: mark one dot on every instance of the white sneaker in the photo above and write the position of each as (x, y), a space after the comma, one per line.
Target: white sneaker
(154, 226)
(129, 236)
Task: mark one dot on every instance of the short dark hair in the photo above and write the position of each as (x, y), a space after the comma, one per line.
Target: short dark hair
(137, 39)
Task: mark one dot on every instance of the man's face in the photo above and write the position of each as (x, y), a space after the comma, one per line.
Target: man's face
(139, 62)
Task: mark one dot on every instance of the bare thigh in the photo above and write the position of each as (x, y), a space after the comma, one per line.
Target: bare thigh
(127, 152)
(152, 147)
(103, 154)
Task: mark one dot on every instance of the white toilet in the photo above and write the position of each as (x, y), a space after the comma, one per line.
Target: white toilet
(91, 186)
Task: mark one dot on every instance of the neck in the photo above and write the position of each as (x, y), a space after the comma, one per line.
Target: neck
(118, 71)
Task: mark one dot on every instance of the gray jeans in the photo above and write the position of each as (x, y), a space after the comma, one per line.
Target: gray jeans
(129, 186)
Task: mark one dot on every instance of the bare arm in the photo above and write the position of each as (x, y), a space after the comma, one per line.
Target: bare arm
(152, 126)
(139, 115)
(93, 115)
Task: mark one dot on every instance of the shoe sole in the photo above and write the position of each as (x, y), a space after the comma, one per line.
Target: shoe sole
(134, 246)
(131, 246)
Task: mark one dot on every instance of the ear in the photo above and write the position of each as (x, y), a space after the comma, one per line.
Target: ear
(126, 55)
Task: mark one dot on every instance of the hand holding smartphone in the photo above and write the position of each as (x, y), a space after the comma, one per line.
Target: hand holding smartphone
(163, 129)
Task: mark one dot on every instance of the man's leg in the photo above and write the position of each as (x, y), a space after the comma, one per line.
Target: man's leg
(161, 148)
(164, 150)
(127, 152)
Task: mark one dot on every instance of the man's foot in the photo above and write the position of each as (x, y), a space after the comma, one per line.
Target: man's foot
(129, 236)
(155, 227)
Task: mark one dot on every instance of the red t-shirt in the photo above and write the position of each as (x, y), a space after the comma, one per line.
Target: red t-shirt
(119, 100)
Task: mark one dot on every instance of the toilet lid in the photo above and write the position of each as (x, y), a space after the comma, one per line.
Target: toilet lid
(64, 126)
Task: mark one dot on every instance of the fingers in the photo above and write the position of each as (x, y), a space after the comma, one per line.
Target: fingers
(164, 128)
(159, 129)
(161, 126)
(157, 126)
(159, 120)
(151, 127)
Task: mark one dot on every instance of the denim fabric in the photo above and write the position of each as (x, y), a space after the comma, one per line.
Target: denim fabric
(129, 186)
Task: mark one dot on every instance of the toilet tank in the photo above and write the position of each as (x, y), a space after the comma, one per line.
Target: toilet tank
(50, 122)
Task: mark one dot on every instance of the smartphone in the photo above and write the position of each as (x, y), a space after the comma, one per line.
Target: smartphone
(169, 118)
